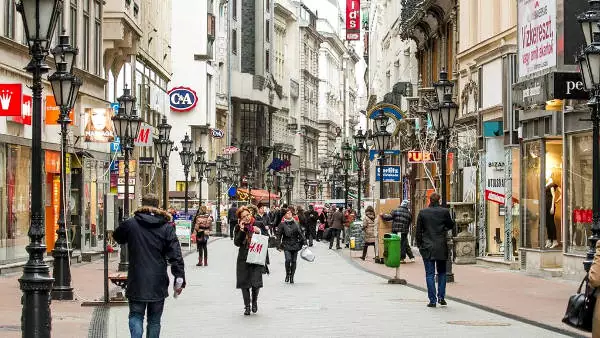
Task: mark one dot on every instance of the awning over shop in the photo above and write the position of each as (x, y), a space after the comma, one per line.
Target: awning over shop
(259, 195)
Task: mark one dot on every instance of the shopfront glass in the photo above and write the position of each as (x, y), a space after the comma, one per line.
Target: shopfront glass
(15, 193)
(578, 192)
(95, 186)
(542, 195)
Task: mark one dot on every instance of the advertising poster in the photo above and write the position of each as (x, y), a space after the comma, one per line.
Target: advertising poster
(98, 125)
(183, 228)
(494, 170)
(353, 20)
(537, 35)
(391, 173)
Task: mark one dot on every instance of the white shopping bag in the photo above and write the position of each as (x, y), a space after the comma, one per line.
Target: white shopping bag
(307, 255)
(257, 251)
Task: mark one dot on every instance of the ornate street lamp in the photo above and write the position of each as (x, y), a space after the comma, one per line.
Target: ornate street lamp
(360, 153)
(347, 164)
(269, 182)
(127, 126)
(164, 146)
(200, 167)
(382, 138)
(39, 20)
(306, 188)
(220, 165)
(325, 172)
(187, 157)
(65, 87)
(589, 65)
(289, 184)
(442, 118)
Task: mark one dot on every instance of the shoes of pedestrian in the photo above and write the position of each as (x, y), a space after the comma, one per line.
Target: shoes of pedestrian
(554, 244)
(443, 302)
(247, 311)
(199, 263)
(339, 248)
(205, 262)
(548, 243)
(287, 278)
(363, 258)
(254, 307)
(412, 260)
(431, 305)
(291, 279)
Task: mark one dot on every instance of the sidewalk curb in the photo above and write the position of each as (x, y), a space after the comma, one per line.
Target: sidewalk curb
(469, 303)
(100, 316)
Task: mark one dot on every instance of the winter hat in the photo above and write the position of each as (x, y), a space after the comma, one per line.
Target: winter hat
(404, 203)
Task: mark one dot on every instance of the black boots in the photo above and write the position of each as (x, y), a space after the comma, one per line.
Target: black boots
(246, 295)
(292, 272)
(254, 300)
(287, 271)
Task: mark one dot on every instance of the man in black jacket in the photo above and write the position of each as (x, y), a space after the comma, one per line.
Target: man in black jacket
(232, 219)
(433, 223)
(311, 217)
(151, 243)
(401, 218)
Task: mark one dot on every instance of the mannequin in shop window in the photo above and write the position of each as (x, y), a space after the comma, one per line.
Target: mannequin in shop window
(553, 197)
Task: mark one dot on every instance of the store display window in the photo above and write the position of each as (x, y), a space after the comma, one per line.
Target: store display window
(578, 192)
(532, 163)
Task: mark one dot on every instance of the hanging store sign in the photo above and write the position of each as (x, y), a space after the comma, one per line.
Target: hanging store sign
(25, 117)
(98, 125)
(53, 112)
(144, 138)
(418, 156)
(391, 173)
(569, 86)
(11, 99)
(217, 133)
(182, 99)
(494, 170)
(537, 35)
(352, 20)
(230, 150)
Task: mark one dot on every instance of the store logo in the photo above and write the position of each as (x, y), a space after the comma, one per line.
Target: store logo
(217, 133)
(11, 99)
(182, 99)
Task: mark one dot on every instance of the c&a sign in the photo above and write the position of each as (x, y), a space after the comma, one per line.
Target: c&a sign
(182, 99)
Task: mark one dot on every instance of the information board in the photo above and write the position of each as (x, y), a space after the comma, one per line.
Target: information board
(183, 228)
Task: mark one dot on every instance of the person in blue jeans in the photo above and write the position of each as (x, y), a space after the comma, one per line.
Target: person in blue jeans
(433, 223)
(152, 243)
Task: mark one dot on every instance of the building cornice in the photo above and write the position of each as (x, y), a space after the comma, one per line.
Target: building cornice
(493, 42)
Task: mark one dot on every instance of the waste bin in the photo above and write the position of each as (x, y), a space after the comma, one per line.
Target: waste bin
(391, 250)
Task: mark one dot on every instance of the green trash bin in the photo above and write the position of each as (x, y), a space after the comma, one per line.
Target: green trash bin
(391, 250)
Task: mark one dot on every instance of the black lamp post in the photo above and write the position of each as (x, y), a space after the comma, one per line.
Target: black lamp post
(325, 173)
(589, 65)
(382, 138)
(127, 125)
(200, 167)
(360, 153)
(220, 165)
(442, 119)
(65, 87)
(306, 188)
(347, 164)
(269, 182)
(187, 157)
(289, 183)
(164, 147)
(39, 20)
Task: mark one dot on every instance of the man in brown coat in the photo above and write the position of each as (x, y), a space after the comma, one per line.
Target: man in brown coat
(337, 224)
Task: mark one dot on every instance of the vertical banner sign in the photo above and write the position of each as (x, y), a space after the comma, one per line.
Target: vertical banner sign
(352, 20)
(494, 170)
(537, 35)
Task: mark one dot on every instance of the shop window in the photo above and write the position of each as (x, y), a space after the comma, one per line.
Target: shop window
(553, 185)
(531, 195)
(578, 193)
(18, 171)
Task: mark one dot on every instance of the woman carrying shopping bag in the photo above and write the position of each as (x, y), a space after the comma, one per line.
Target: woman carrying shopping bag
(292, 241)
(249, 276)
(202, 224)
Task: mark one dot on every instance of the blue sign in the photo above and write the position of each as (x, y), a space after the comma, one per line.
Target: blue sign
(388, 152)
(391, 173)
(115, 146)
(182, 99)
(232, 192)
(115, 107)
(114, 166)
(217, 133)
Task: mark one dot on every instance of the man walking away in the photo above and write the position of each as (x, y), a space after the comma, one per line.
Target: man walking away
(311, 224)
(152, 243)
(401, 218)
(433, 223)
(337, 224)
(232, 219)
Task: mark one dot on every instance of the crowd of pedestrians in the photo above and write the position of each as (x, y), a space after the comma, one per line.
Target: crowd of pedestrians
(152, 243)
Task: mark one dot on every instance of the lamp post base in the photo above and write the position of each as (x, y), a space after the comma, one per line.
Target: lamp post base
(399, 281)
(62, 290)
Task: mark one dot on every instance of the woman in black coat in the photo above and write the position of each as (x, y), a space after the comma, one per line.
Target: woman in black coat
(292, 241)
(249, 276)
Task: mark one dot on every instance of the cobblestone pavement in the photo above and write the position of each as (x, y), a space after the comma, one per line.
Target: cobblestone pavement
(331, 298)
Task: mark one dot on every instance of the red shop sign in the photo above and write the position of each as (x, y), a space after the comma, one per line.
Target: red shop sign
(352, 20)
(25, 117)
(11, 99)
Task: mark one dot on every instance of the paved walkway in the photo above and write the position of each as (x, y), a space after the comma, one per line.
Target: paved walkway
(540, 300)
(331, 298)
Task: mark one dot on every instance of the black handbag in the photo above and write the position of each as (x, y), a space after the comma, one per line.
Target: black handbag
(580, 309)
(274, 242)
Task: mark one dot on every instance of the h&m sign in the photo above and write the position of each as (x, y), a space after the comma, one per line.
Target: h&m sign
(569, 86)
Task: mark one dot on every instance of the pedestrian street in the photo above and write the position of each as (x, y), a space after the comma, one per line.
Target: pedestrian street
(331, 298)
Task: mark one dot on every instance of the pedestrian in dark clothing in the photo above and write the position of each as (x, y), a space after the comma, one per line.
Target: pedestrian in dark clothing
(369, 230)
(337, 224)
(322, 225)
(292, 241)
(232, 219)
(249, 276)
(301, 219)
(261, 220)
(272, 220)
(202, 224)
(151, 243)
(433, 224)
(401, 218)
(311, 217)
(280, 215)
